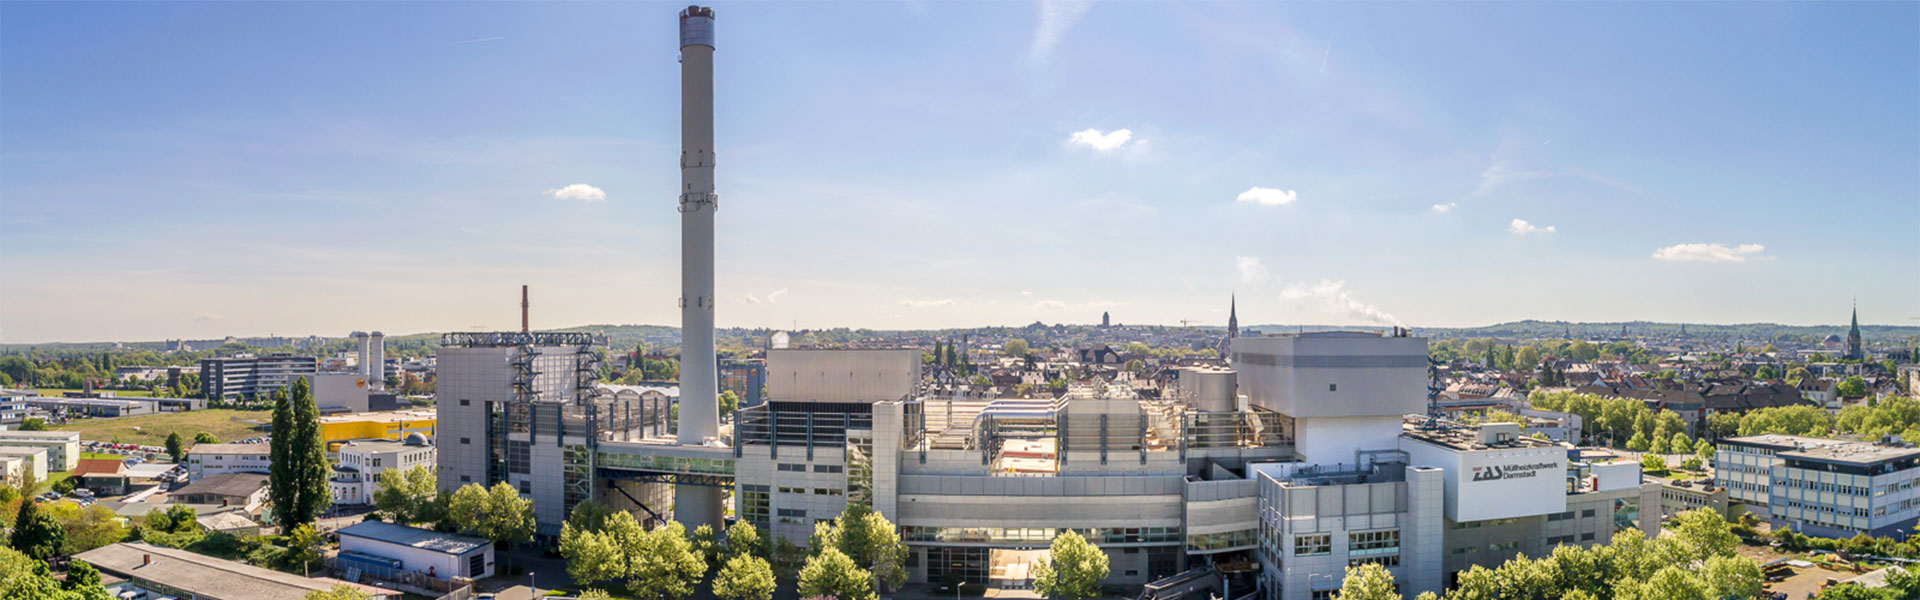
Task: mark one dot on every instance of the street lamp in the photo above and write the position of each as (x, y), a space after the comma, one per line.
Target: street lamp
(533, 581)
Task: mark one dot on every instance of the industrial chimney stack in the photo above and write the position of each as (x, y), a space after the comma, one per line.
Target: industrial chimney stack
(523, 310)
(699, 382)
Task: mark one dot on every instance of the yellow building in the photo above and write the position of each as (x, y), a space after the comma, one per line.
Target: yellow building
(386, 425)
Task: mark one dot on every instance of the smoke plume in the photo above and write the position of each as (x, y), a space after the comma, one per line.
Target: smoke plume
(1334, 298)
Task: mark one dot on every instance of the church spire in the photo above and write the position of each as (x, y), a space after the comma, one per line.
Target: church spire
(1233, 316)
(1854, 349)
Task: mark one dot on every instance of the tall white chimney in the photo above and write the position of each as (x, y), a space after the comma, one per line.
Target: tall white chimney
(365, 353)
(699, 382)
(377, 367)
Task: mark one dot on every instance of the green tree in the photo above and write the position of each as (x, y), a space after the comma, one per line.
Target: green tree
(871, 541)
(1074, 569)
(1703, 450)
(1660, 445)
(408, 496)
(729, 402)
(1853, 386)
(86, 527)
(338, 592)
(498, 514)
(1016, 348)
(1732, 577)
(81, 575)
(297, 477)
(1698, 535)
(35, 534)
(831, 573)
(707, 544)
(304, 547)
(1788, 420)
(176, 447)
(24, 578)
(1638, 443)
(1680, 444)
(590, 516)
(205, 438)
(1692, 463)
(1369, 581)
(744, 539)
(667, 566)
(745, 577)
(1798, 374)
(1652, 463)
(34, 424)
(592, 556)
(595, 594)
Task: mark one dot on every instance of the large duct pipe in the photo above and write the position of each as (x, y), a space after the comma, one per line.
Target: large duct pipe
(699, 381)
(377, 367)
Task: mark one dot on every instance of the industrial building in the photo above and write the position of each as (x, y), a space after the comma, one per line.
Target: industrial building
(94, 407)
(252, 377)
(392, 425)
(388, 551)
(1824, 487)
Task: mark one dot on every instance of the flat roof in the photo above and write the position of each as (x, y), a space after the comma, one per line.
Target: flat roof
(230, 449)
(385, 416)
(379, 446)
(414, 537)
(206, 575)
(226, 484)
(1853, 453)
(1782, 442)
(15, 434)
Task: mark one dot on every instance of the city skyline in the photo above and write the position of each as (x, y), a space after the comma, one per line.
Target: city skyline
(305, 169)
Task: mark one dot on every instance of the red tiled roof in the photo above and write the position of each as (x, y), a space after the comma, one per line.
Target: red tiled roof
(99, 466)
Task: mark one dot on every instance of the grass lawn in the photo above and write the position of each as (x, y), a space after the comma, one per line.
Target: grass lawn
(227, 424)
(57, 392)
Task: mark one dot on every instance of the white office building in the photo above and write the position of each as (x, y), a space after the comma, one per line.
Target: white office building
(219, 459)
(357, 472)
(1824, 487)
(63, 447)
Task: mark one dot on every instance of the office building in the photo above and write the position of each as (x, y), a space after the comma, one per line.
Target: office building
(205, 460)
(63, 447)
(95, 407)
(1824, 487)
(252, 377)
(357, 473)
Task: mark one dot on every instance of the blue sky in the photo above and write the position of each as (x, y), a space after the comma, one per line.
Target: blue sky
(192, 170)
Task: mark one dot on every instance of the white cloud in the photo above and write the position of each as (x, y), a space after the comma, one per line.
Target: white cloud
(928, 303)
(210, 317)
(1711, 253)
(1251, 271)
(1522, 227)
(579, 191)
(1049, 304)
(1026, 293)
(1056, 17)
(1267, 196)
(1103, 142)
(1441, 208)
(751, 299)
(774, 296)
(1334, 298)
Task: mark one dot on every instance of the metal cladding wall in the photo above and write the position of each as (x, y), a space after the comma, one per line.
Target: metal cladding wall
(1333, 374)
(853, 375)
(1496, 483)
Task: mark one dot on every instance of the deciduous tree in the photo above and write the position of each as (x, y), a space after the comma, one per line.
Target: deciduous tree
(745, 577)
(1367, 582)
(831, 573)
(1074, 569)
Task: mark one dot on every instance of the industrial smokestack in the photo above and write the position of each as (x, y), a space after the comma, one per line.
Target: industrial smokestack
(523, 310)
(699, 383)
(377, 367)
(365, 353)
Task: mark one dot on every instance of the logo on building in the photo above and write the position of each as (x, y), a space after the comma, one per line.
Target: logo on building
(1514, 471)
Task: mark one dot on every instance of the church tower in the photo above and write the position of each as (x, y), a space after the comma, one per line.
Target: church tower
(1233, 318)
(1854, 351)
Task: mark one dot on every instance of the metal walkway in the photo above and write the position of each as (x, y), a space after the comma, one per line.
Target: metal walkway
(710, 466)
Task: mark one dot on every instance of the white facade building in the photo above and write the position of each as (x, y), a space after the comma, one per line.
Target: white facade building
(1824, 487)
(357, 473)
(220, 459)
(384, 549)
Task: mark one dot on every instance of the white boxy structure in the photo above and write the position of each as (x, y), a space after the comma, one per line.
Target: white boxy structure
(382, 549)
